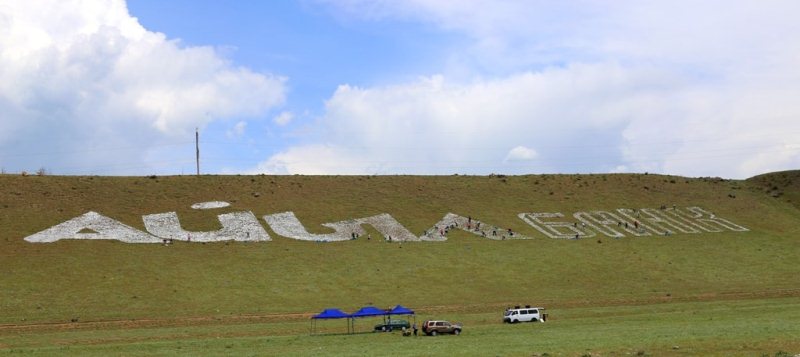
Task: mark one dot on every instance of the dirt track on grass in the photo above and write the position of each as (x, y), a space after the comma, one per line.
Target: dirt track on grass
(426, 310)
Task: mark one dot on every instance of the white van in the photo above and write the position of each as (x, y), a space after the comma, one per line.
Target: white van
(526, 314)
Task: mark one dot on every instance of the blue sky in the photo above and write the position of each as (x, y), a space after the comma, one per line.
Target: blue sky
(698, 88)
(309, 44)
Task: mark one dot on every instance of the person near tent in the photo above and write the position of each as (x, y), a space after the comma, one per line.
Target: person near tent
(414, 327)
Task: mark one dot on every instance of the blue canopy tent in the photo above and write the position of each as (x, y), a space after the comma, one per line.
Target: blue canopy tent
(368, 311)
(402, 310)
(330, 314)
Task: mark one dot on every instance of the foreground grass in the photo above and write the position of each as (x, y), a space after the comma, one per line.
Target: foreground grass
(723, 328)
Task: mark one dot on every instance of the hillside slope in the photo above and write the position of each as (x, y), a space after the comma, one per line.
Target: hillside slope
(783, 186)
(104, 280)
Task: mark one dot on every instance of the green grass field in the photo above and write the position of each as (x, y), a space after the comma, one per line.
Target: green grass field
(750, 327)
(706, 294)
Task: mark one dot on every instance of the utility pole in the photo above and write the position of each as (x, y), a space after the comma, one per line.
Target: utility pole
(197, 148)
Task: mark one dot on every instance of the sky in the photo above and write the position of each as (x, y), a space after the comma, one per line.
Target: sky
(431, 87)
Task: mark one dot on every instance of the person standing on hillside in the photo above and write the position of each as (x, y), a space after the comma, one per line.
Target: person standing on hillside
(414, 327)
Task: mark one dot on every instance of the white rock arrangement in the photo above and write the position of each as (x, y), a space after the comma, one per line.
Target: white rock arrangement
(236, 226)
(244, 226)
(210, 205)
(642, 222)
(286, 224)
(558, 230)
(609, 224)
(707, 221)
(389, 228)
(453, 221)
(103, 227)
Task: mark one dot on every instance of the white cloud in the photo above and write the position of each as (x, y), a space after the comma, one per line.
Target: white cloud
(582, 118)
(520, 153)
(283, 118)
(431, 126)
(682, 87)
(237, 130)
(81, 78)
(620, 169)
(515, 33)
(314, 160)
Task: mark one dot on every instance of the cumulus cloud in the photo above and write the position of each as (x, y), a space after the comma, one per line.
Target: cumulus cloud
(316, 160)
(686, 87)
(515, 33)
(520, 153)
(84, 88)
(283, 118)
(436, 127)
(237, 130)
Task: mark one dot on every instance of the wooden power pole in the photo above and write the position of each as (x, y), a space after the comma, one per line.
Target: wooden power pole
(197, 148)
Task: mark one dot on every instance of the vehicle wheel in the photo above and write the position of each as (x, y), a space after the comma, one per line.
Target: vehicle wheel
(514, 321)
(383, 328)
(433, 333)
(390, 329)
(534, 320)
(457, 332)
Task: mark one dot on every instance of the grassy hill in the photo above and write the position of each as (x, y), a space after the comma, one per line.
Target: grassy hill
(102, 281)
(784, 186)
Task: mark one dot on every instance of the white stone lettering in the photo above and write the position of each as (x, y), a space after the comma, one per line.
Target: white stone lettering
(244, 226)
(606, 222)
(665, 223)
(558, 230)
(453, 221)
(389, 227)
(635, 216)
(286, 224)
(101, 226)
(236, 226)
(210, 205)
(711, 223)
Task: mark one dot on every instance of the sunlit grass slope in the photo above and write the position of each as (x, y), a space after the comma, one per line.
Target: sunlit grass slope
(107, 280)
